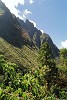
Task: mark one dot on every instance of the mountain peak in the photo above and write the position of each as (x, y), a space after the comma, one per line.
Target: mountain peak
(10, 29)
(18, 33)
(37, 36)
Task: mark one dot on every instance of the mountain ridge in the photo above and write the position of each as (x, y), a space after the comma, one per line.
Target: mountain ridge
(37, 36)
(20, 44)
(10, 28)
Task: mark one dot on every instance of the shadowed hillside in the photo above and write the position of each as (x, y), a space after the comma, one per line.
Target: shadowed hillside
(10, 29)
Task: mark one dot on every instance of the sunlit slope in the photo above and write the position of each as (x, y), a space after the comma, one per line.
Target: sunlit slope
(25, 56)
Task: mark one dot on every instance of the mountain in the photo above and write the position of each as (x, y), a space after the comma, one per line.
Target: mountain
(24, 57)
(10, 29)
(37, 36)
(46, 38)
(19, 40)
(15, 44)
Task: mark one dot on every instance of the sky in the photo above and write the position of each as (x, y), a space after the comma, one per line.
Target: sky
(50, 16)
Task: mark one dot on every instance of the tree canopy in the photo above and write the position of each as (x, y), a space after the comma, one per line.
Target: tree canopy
(45, 54)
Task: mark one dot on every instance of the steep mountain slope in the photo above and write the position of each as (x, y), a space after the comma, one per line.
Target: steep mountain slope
(19, 40)
(37, 36)
(46, 38)
(33, 32)
(15, 44)
(10, 28)
(24, 56)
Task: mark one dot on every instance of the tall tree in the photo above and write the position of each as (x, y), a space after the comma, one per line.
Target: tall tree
(63, 52)
(46, 59)
(45, 54)
(63, 56)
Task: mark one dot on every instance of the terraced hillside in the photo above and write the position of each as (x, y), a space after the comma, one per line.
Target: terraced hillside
(25, 57)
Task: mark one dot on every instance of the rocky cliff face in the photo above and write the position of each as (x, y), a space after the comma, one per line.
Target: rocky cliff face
(17, 32)
(37, 36)
(10, 29)
(33, 32)
(46, 38)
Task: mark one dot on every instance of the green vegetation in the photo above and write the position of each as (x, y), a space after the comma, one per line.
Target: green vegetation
(25, 56)
(46, 59)
(45, 55)
(62, 66)
(25, 73)
(46, 82)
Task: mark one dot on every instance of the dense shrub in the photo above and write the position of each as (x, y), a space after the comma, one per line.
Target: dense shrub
(32, 85)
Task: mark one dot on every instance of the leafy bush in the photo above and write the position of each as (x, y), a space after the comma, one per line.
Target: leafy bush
(32, 85)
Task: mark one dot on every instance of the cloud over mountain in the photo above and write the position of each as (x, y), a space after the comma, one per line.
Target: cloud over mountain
(34, 23)
(64, 44)
(12, 4)
(24, 14)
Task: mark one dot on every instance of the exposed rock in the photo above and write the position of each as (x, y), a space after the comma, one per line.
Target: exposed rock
(10, 29)
(37, 36)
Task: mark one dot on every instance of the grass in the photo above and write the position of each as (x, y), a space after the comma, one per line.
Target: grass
(25, 56)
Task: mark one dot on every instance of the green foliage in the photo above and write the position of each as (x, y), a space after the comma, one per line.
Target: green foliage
(51, 97)
(46, 59)
(33, 85)
(45, 54)
(63, 95)
(25, 58)
(62, 68)
(63, 58)
(63, 53)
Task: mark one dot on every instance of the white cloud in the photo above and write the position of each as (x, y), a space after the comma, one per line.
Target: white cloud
(12, 4)
(64, 44)
(34, 23)
(12, 7)
(42, 31)
(25, 14)
(31, 1)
